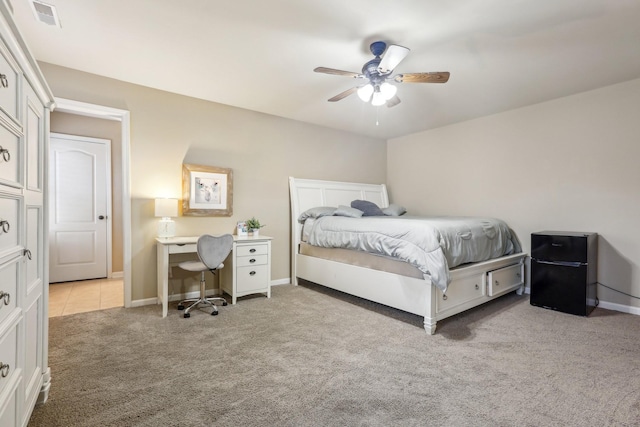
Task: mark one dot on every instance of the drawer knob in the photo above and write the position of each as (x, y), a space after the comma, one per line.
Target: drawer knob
(252, 260)
(477, 287)
(444, 297)
(6, 156)
(253, 273)
(4, 226)
(4, 81)
(27, 253)
(497, 283)
(4, 369)
(252, 250)
(5, 297)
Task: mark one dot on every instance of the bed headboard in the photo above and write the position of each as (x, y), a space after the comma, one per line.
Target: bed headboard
(310, 193)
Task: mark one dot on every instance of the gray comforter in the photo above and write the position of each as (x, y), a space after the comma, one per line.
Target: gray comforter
(432, 244)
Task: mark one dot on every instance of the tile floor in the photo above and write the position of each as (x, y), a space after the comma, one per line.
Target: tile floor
(87, 295)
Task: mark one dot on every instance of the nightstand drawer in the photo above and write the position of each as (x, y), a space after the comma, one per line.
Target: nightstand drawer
(253, 278)
(256, 249)
(252, 260)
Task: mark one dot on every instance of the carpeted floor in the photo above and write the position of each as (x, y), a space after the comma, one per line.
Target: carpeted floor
(310, 356)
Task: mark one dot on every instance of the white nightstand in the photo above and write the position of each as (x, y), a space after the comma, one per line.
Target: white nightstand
(248, 269)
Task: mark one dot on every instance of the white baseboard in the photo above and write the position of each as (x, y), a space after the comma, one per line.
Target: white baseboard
(195, 294)
(116, 275)
(619, 307)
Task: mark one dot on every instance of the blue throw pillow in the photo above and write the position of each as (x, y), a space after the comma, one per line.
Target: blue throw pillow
(368, 208)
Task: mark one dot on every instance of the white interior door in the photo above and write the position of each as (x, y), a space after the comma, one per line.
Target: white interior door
(79, 207)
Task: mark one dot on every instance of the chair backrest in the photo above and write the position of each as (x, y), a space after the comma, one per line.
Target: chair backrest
(213, 250)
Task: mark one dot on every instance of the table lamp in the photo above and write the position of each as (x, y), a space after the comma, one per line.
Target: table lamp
(166, 208)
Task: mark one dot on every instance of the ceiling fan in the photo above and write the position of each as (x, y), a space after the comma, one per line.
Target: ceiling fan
(379, 88)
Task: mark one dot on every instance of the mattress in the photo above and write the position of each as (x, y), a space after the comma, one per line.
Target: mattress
(362, 259)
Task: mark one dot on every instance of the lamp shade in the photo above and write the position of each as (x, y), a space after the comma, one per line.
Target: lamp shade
(166, 208)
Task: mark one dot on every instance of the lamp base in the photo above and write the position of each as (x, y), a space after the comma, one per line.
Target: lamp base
(166, 228)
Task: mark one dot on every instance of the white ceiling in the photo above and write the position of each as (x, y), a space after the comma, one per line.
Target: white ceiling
(260, 55)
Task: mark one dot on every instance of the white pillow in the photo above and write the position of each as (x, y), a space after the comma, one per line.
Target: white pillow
(348, 211)
(394, 210)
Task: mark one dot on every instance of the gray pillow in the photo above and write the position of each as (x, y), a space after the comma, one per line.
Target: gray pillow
(316, 212)
(347, 211)
(369, 208)
(394, 210)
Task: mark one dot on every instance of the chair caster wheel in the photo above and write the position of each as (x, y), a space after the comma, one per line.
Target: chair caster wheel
(180, 307)
(224, 303)
(187, 315)
(214, 313)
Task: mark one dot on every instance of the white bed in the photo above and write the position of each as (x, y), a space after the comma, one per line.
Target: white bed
(470, 286)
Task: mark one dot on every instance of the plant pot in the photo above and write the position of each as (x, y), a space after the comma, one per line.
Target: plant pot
(255, 232)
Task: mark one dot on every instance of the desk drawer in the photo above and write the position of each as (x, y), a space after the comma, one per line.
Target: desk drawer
(244, 261)
(255, 249)
(253, 278)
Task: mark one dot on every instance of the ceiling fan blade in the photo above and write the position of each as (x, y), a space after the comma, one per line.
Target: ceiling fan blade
(440, 77)
(393, 101)
(392, 57)
(338, 72)
(343, 95)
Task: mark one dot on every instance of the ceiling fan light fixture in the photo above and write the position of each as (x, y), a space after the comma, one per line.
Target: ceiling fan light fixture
(365, 92)
(378, 99)
(388, 90)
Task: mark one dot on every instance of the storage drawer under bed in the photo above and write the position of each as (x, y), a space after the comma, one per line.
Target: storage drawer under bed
(505, 279)
(462, 291)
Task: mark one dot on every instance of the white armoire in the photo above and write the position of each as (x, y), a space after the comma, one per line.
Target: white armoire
(25, 104)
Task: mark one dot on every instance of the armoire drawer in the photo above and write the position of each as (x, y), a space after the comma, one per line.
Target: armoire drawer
(9, 215)
(8, 356)
(10, 157)
(9, 90)
(505, 279)
(462, 291)
(8, 287)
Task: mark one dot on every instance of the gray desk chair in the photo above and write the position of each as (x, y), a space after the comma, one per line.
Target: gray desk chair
(212, 250)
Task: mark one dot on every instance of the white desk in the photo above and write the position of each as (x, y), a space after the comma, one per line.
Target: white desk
(233, 280)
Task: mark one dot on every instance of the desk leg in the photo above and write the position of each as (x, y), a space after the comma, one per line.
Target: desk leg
(163, 277)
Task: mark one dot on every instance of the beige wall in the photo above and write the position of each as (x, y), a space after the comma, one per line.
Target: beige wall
(568, 164)
(73, 124)
(263, 151)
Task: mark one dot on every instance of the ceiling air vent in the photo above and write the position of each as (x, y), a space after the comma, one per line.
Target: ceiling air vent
(45, 13)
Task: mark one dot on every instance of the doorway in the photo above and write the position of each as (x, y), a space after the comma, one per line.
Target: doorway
(121, 204)
(79, 208)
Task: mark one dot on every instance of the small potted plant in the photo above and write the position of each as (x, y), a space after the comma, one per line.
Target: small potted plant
(253, 225)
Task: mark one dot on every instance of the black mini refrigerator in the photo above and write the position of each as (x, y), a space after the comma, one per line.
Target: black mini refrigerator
(564, 271)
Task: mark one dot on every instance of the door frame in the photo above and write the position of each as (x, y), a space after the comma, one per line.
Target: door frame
(108, 193)
(122, 116)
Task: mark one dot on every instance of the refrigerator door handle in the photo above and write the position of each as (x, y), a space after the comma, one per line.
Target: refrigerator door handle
(561, 263)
